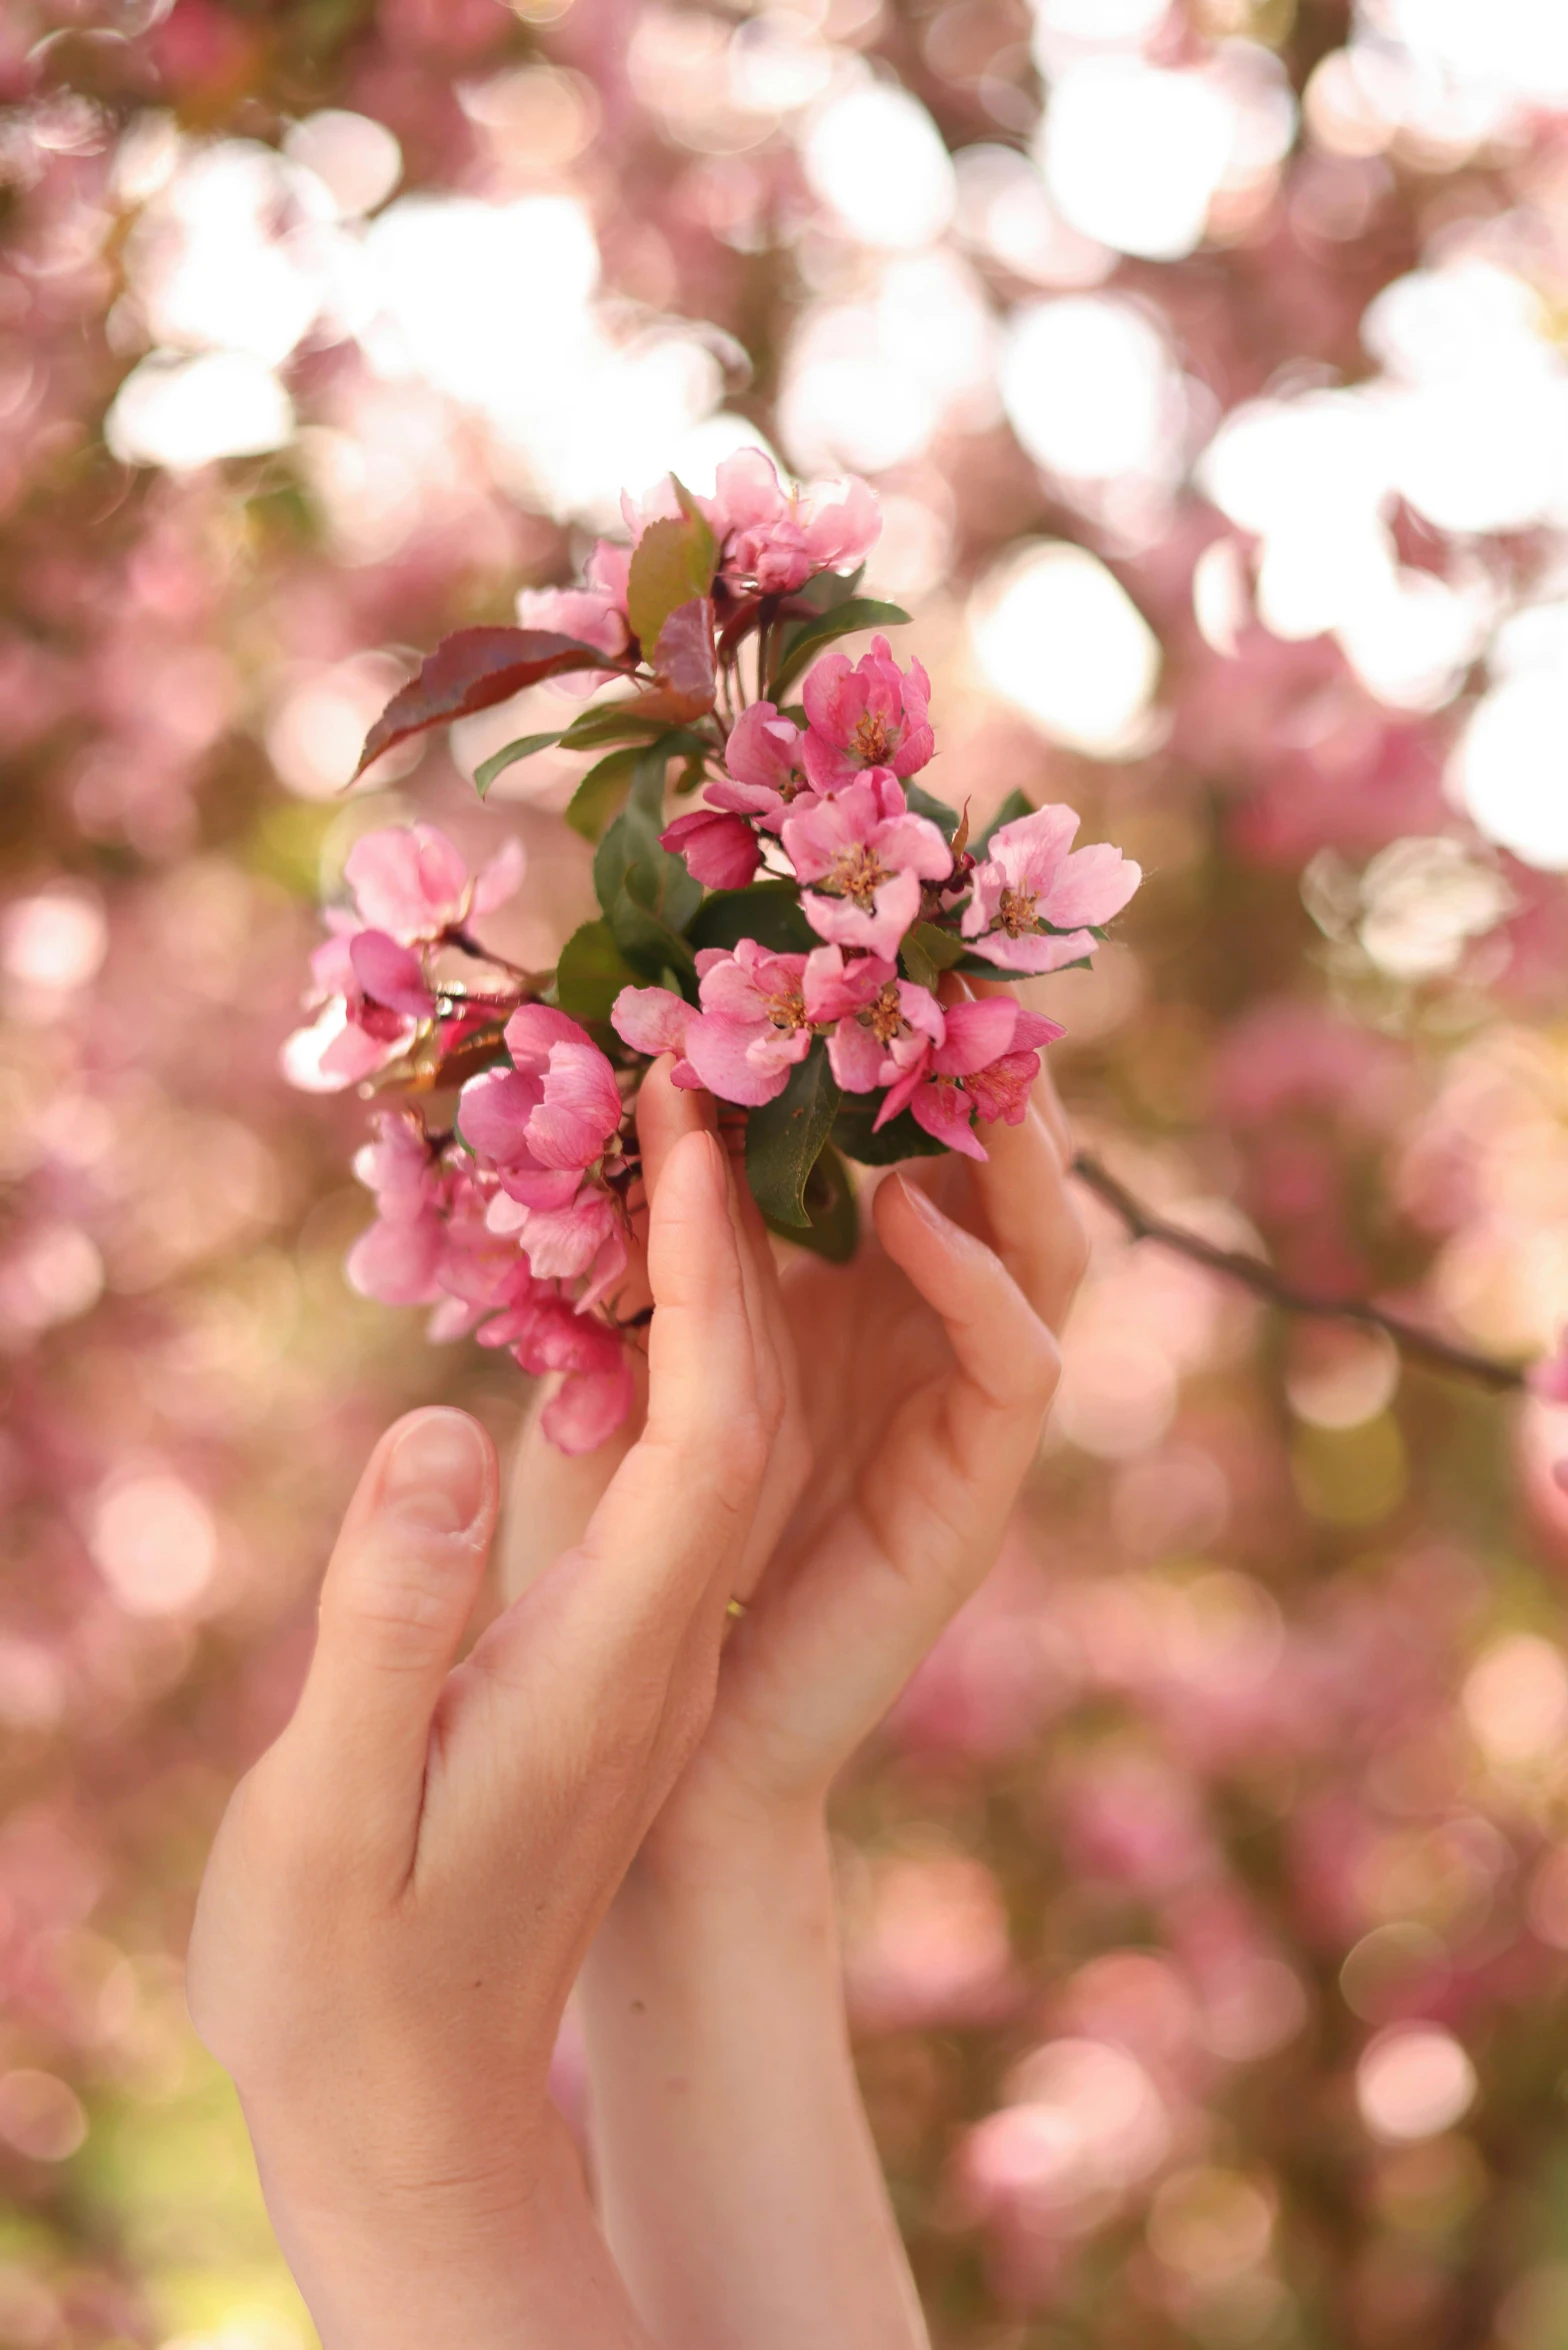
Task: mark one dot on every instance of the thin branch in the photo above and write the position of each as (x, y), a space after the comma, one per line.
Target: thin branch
(1423, 1346)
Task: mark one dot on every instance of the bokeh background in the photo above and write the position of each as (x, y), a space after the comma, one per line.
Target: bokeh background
(1207, 1899)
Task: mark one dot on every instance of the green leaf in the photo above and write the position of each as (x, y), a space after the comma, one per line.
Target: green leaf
(610, 722)
(647, 895)
(599, 795)
(1014, 806)
(899, 1139)
(784, 1140)
(924, 803)
(834, 1229)
(524, 748)
(804, 642)
(927, 952)
(768, 911)
(826, 590)
(671, 564)
(591, 973)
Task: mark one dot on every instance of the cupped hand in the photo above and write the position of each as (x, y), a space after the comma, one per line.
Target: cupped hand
(923, 1373)
(404, 1886)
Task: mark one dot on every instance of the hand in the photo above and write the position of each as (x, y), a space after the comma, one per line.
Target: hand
(923, 1374)
(738, 2179)
(404, 1887)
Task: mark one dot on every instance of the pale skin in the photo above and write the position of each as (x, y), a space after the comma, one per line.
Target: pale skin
(611, 1789)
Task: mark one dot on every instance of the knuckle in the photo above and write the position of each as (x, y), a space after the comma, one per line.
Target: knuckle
(396, 1605)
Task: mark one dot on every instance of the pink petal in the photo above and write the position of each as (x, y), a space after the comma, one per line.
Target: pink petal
(944, 1112)
(1091, 886)
(589, 1408)
(1033, 1030)
(1001, 1089)
(842, 923)
(651, 1019)
(581, 1108)
(719, 1051)
(407, 879)
(833, 987)
(391, 974)
(855, 1057)
(978, 1031)
(721, 851)
(493, 1114)
(764, 749)
(914, 844)
(561, 1243)
(502, 877)
(1035, 951)
(535, 1029)
(397, 1263)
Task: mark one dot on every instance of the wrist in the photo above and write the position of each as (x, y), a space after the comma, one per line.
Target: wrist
(506, 2257)
(717, 1848)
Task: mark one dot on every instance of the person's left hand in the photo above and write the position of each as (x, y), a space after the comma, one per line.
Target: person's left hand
(405, 1885)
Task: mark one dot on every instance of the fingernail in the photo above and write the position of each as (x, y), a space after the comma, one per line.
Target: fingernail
(437, 1474)
(923, 1204)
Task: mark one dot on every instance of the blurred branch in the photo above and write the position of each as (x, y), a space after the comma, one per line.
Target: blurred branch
(1422, 1346)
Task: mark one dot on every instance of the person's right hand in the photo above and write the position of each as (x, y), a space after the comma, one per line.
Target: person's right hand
(405, 1885)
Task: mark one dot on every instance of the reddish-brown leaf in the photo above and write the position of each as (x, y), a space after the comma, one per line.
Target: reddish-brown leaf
(683, 658)
(471, 670)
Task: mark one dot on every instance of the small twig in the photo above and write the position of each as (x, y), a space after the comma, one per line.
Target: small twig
(1422, 1346)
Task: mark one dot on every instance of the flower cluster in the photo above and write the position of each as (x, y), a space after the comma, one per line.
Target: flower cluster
(785, 940)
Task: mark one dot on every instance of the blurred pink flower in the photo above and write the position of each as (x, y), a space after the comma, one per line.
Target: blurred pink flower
(411, 881)
(777, 539)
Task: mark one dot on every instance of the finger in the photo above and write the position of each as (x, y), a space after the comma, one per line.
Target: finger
(1031, 1215)
(395, 1603)
(1006, 1363)
(678, 1510)
(665, 1112)
(552, 1495)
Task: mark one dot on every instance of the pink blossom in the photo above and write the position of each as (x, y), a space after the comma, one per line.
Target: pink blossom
(398, 1257)
(583, 1239)
(596, 1392)
(870, 856)
(985, 1061)
(655, 1020)
(538, 1124)
(884, 1024)
(765, 760)
(753, 1025)
(778, 538)
(595, 614)
(411, 881)
(871, 714)
(389, 974)
(720, 850)
(1034, 905)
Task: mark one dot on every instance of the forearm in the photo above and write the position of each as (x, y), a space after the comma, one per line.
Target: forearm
(740, 2188)
(521, 2270)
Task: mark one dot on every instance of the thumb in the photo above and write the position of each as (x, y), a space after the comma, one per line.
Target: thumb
(395, 1603)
